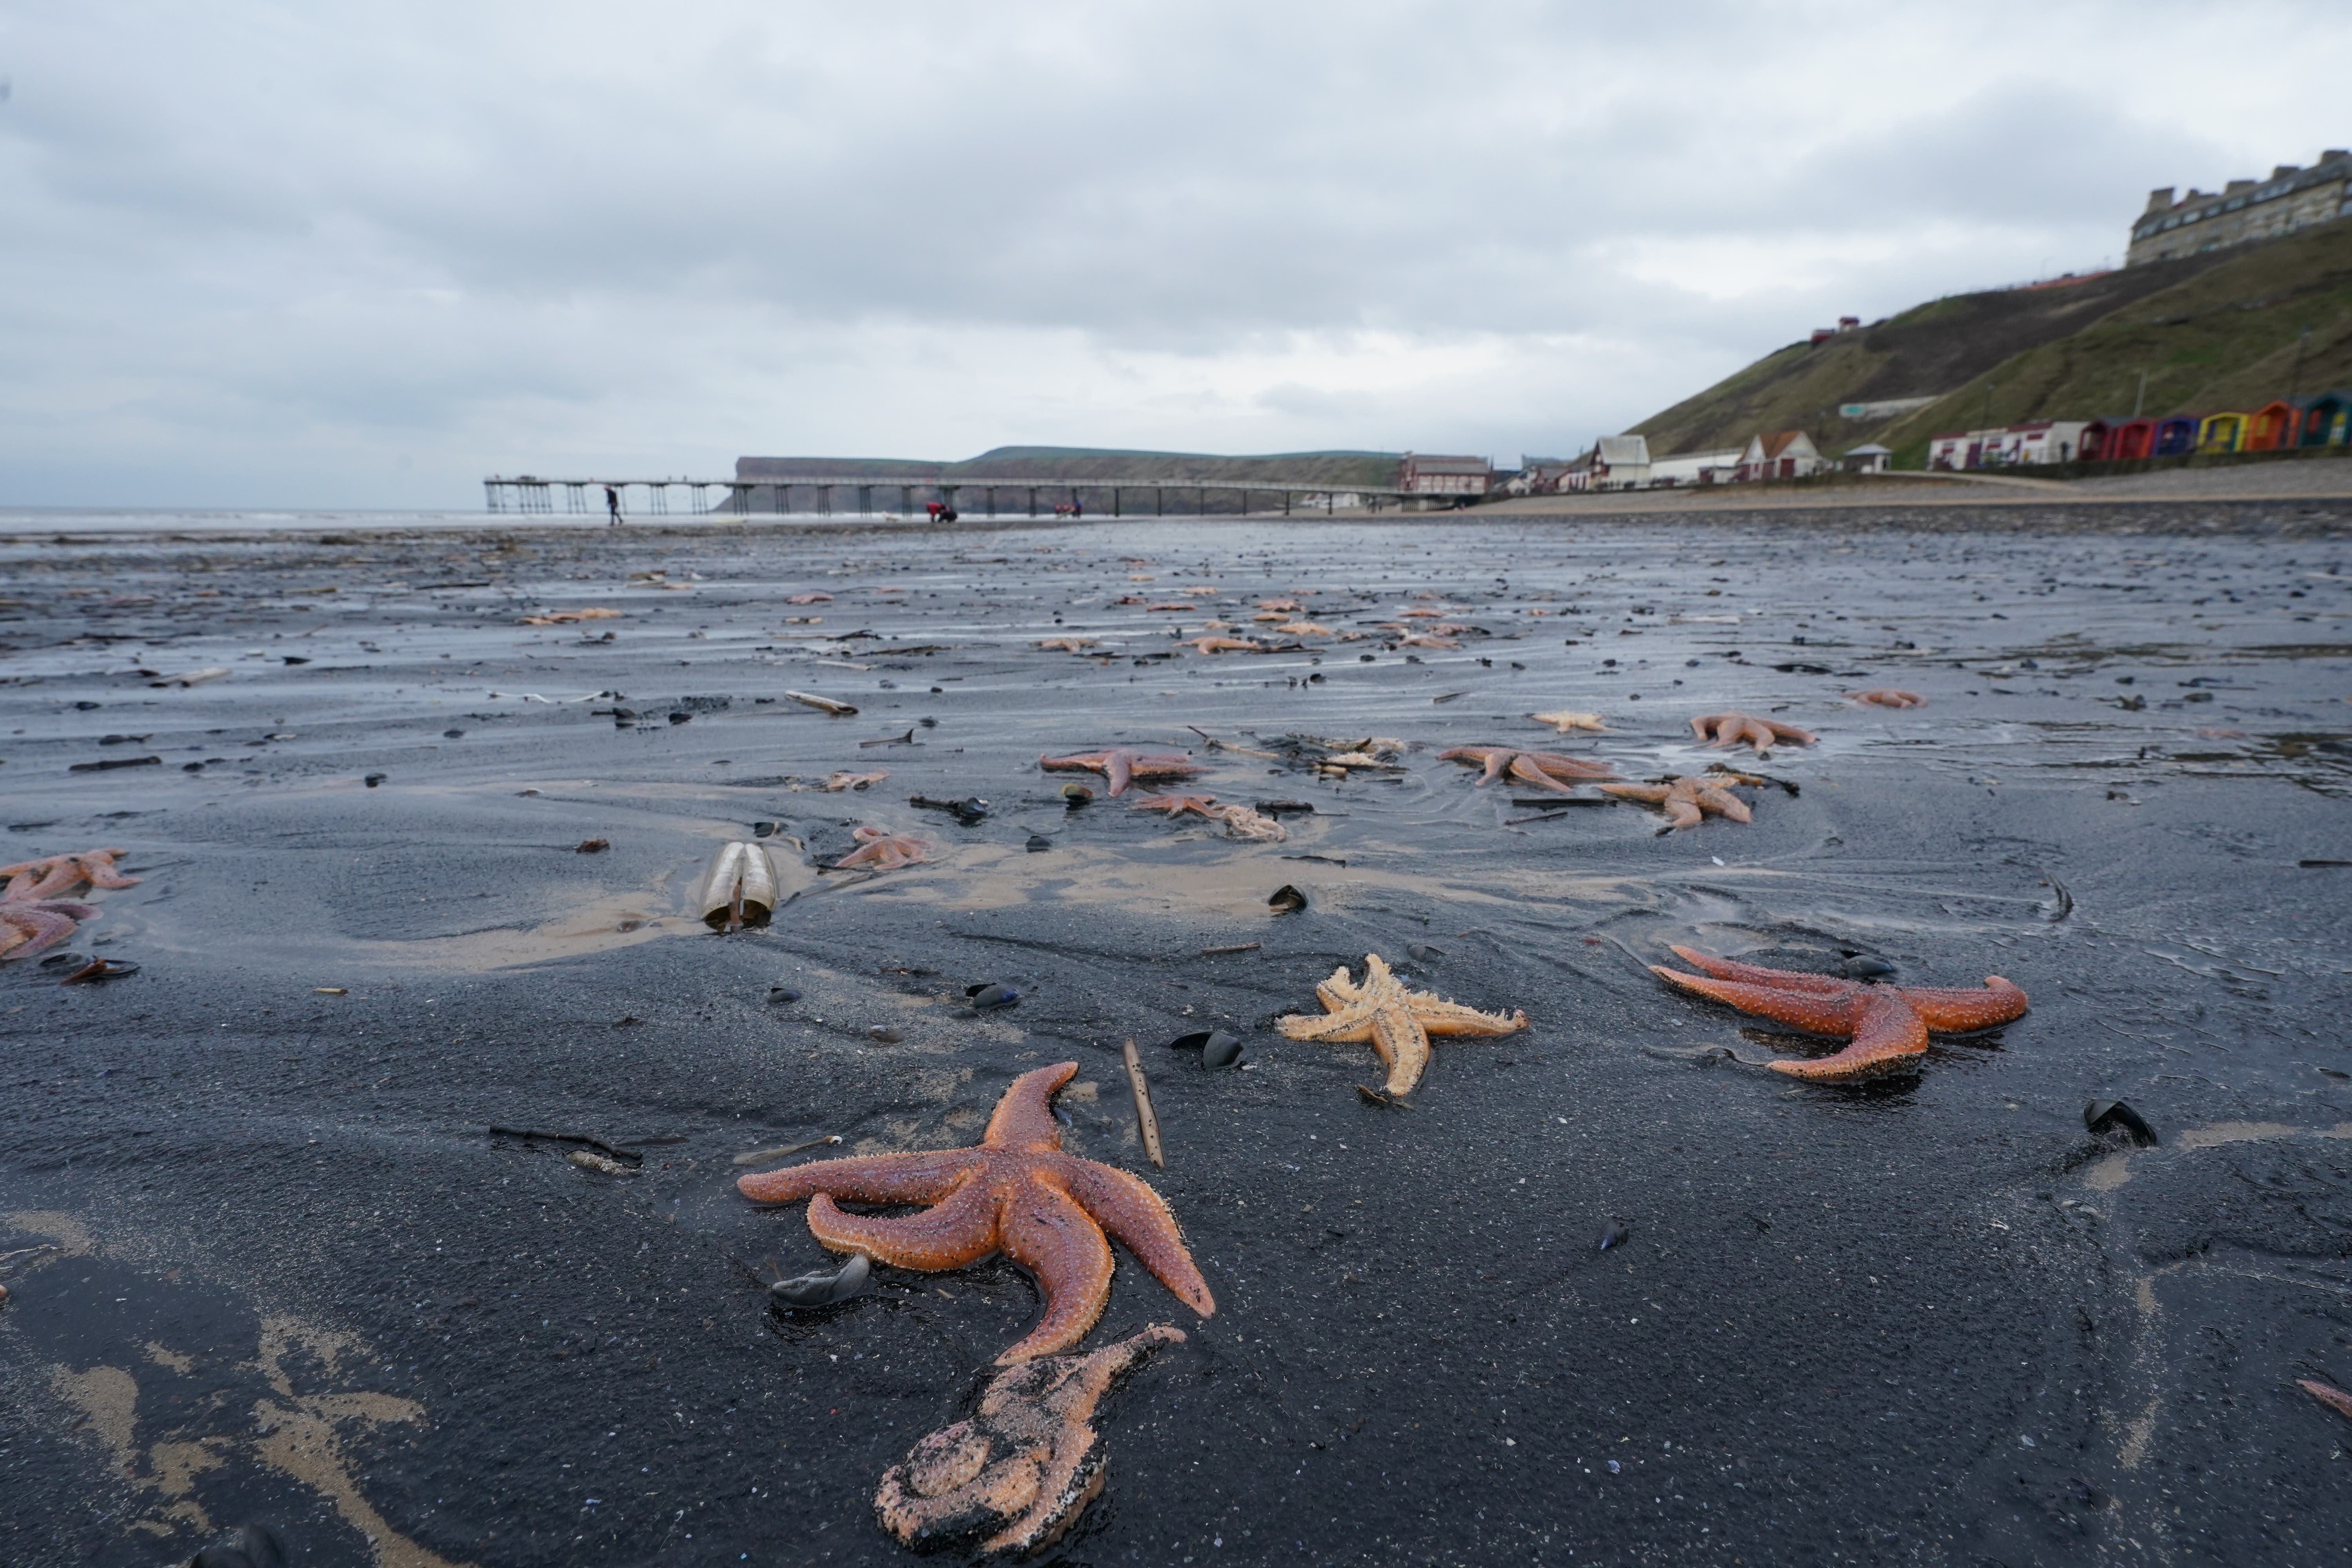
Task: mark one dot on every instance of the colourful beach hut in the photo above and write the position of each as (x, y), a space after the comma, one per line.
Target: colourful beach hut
(2132, 438)
(2175, 436)
(2091, 444)
(2326, 419)
(2269, 427)
(2223, 432)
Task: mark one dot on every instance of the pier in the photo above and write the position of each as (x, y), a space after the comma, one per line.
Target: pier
(854, 496)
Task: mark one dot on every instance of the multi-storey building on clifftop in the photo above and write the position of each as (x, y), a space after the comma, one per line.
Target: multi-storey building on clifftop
(2292, 198)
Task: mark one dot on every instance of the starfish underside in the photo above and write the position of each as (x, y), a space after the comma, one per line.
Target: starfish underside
(1888, 1024)
(1686, 801)
(1122, 765)
(1548, 770)
(1731, 728)
(29, 926)
(884, 850)
(1889, 696)
(1024, 1465)
(1567, 719)
(1015, 1192)
(1395, 1022)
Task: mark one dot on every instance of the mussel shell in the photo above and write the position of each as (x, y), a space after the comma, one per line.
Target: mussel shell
(825, 1288)
(2115, 1116)
(1285, 901)
(1223, 1050)
(1866, 966)
(1039, 844)
(779, 994)
(882, 1033)
(990, 997)
(61, 959)
(1616, 1232)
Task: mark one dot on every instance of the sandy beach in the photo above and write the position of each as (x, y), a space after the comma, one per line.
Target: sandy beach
(266, 1260)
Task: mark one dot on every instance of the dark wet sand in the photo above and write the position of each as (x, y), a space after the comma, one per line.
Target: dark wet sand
(287, 1276)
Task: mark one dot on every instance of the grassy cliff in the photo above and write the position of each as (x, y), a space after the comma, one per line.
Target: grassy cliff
(2218, 331)
(1091, 466)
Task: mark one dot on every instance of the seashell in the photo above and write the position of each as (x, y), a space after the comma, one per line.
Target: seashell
(882, 1033)
(1286, 901)
(989, 997)
(2103, 1116)
(739, 890)
(766, 829)
(1039, 844)
(1616, 1232)
(100, 969)
(780, 995)
(1076, 794)
(1218, 1048)
(65, 960)
(371, 781)
(1863, 966)
(825, 1288)
(591, 846)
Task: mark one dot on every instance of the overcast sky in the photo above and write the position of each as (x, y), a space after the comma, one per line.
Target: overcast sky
(312, 253)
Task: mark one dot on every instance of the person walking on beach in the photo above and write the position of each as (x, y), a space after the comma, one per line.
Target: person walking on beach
(613, 505)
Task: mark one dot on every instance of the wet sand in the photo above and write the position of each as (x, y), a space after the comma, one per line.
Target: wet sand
(265, 1260)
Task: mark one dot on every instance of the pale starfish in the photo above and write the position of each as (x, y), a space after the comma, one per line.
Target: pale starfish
(1241, 821)
(1304, 629)
(28, 926)
(1686, 800)
(1015, 1192)
(56, 874)
(1280, 604)
(1544, 770)
(1067, 645)
(1222, 645)
(1026, 1463)
(1567, 719)
(1888, 1024)
(1395, 1022)
(1122, 765)
(884, 850)
(1730, 729)
(1418, 641)
(1888, 697)
(1176, 805)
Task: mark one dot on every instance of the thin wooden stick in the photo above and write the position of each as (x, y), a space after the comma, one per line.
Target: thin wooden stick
(1143, 1116)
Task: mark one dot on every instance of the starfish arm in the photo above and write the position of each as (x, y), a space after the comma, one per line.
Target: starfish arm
(1887, 1032)
(1403, 1045)
(1699, 725)
(919, 1177)
(49, 877)
(1820, 1014)
(1043, 1230)
(1559, 765)
(39, 927)
(1682, 812)
(1493, 759)
(1023, 1118)
(1350, 1028)
(1958, 1008)
(1757, 974)
(1723, 804)
(958, 1231)
(1120, 768)
(1142, 1221)
(1338, 993)
(1438, 1017)
(1527, 770)
(97, 868)
(1654, 793)
(1758, 734)
(1788, 731)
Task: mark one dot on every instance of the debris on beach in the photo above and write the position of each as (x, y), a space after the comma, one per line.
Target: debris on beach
(1218, 1048)
(1212, 644)
(810, 598)
(739, 888)
(1240, 821)
(565, 617)
(1886, 1026)
(1396, 1022)
(1285, 901)
(1015, 1193)
(1146, 1121)
(824, 704)
(2335, 1398)
(1122, 765)
(825, 1287)
(1337, 758)
(591, 846)
(1888, 697)
(1731, 728)
(2103, 1116)
(1686, 799)
(883, 849)
(846, 778)
(1549, 771)
(1016, 1474)
(1567, 720)
(968, 812)
(193, 677)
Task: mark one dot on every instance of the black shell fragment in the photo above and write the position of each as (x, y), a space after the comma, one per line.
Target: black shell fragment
(2103, 1116)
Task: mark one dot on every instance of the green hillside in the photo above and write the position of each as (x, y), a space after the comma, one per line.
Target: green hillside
(2212, 331)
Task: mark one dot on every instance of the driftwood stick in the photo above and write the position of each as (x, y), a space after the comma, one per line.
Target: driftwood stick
(1144, 1119)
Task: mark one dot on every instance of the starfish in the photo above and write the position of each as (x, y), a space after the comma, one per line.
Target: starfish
(1067, 645)
(1280, 604)
(1176, 805)
(1304, 629)
(1888, 1024)
(1888, 697)
(1015, 1192)
(1687, 799)
(1566, 719)
(1544, 770)
(1025, 1465)
(28, 926)
(1121, 766)
(1421, 641)
(56, 874)
(1222, 645)
(884, 850)
(1730, 729)
(1394, 1021)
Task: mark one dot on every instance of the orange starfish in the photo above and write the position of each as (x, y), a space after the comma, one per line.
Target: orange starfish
(884, 850)
(1888, 1024)
(1888, 697)
(1026, 1463)
(1121, 766)
(1730, 729)
(1544, 770)
(1687, 800)
(28, 926)
(56, 874)
(1015, 1192)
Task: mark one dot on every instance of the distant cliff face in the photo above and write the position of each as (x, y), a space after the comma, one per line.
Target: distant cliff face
(1088, 465)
